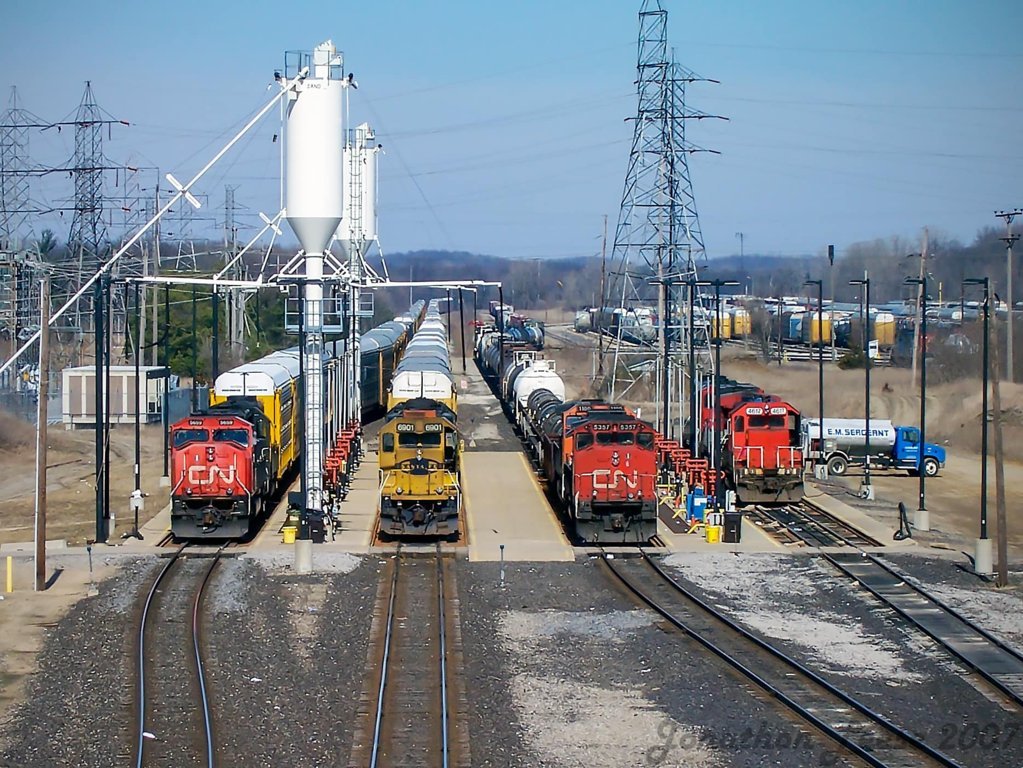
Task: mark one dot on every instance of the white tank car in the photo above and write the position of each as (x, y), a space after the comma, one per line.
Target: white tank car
(541, 374)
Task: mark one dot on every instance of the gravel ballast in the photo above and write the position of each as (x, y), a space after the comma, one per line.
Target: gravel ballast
(801, 604)
(561, 668)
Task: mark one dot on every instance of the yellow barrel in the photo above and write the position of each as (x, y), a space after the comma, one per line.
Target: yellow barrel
(289, 532)
(714, 534)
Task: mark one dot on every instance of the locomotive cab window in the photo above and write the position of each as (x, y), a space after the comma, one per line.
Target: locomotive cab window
(624, 438)
(419, 440)
(583, 440)
(387, 442)
(183, 437)
(645, 440)
(740, 424)
(239, 436)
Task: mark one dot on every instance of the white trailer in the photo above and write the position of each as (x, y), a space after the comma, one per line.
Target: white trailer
(891, 446)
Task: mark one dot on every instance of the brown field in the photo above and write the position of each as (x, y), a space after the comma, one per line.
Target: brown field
(71, 495)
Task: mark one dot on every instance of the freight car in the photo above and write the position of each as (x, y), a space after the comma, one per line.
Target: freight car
(597, 458)
(229, 462)
(419, 447)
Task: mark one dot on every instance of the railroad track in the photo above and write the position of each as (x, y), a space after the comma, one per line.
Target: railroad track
(853, 726)
(171, 677)
(799, 524)
(411, 720)
(991, 658)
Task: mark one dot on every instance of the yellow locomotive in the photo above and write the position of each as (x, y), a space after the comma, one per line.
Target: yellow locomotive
(419, 447)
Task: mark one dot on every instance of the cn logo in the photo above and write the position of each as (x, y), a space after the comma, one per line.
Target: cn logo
(200, 475)
(607, 479)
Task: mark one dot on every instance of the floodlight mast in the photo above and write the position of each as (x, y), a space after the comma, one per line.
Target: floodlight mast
(181, 190)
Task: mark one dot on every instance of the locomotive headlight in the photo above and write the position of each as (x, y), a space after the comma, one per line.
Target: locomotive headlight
(230, 491)
(632, 495)
(440, 490)
(398, 491)
(188, 491)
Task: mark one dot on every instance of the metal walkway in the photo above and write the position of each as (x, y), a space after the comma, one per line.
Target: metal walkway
(990, 657)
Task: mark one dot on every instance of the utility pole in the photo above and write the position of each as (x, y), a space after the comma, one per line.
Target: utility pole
(600, 308)
(44, 386)
(742, 254)
(831, 260)
(156, 273)
(1009, 241)
(918, 317)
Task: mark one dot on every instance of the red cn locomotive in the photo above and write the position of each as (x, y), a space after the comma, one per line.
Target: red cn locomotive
(599, 460)
(219, 482)
(758, 436)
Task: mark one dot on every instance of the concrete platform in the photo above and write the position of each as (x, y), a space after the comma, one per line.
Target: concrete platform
(859, 520)
(505, 505)
(359, 509)
(752, 539)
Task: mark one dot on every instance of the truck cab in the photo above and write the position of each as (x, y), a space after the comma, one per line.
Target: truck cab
(906, 453)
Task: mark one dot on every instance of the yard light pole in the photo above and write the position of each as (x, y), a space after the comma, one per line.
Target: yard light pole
(821, 468)
(922, 520)
(664, 354)
(983, 560)
(716, 382)
(866, 489)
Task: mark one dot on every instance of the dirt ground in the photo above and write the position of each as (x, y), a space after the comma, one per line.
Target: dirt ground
(35, 613)
(70, 487)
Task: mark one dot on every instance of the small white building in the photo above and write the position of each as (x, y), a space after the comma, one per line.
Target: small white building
(78, 395)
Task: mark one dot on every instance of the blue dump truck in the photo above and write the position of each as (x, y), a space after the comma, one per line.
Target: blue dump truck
(891, 446)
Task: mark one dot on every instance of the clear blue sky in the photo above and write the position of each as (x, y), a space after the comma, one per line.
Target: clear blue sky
(504, 123)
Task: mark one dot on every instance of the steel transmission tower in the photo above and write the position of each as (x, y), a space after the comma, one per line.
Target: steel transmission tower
(87, 238)
(14, 171)
(658, 240)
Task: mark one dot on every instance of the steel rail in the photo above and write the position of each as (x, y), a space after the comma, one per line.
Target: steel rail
(801, 508)
(997, 681)
(441, 619)
(200, 673)
(140, 751)
(1015, 694)
(388, 632)
(846, 742)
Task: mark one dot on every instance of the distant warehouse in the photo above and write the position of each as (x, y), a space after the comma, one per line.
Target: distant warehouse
(79, 395)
